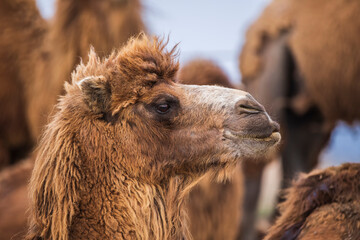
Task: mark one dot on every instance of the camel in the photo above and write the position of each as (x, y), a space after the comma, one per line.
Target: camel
(128, 143)
(214, 208)
(324, 204)
(306, 79)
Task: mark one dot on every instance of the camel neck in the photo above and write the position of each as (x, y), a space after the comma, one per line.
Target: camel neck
(131, 210)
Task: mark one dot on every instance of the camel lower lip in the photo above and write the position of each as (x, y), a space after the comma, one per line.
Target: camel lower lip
(274, 137)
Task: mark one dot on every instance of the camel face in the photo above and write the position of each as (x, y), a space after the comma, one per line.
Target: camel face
(184, 129)
(196, 127)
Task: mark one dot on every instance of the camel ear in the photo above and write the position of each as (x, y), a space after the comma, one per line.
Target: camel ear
(97, 93)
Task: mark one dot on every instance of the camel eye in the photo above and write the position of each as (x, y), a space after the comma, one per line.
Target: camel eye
(163, 108)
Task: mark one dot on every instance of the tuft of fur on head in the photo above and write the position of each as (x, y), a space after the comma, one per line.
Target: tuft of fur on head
(132, 70)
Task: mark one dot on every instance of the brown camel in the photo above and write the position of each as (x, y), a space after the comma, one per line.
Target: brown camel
(302, 60)
(214, 208)
(128, 143)
(324, 204)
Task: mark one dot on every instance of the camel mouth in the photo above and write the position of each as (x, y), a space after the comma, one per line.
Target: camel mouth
(273, 138)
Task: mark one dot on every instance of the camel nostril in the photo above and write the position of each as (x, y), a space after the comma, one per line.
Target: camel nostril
(249, 106)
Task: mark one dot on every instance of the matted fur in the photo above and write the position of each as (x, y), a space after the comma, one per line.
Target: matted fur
(323, 204)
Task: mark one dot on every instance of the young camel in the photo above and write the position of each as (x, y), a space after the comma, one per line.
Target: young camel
(128, 143)
(214, 208)
(324, 204)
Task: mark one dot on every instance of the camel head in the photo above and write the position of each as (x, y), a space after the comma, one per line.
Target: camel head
(131, 106)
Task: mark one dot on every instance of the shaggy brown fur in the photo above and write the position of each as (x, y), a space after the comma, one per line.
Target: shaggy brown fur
(324, 204)
(14, 201)
(76, 26)
(22, 30)
(214, 208)
(128, 143)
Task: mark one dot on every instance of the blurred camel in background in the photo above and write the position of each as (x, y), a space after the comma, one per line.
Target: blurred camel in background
(301, 59)
(23, 31)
